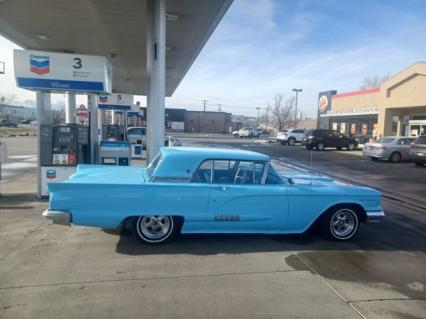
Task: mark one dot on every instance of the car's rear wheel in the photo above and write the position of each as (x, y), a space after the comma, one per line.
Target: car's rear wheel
(320, 146)
(308, 147)
(156, 229)
(351, 146)
(340, 223)
(395, 157)
(291, 141)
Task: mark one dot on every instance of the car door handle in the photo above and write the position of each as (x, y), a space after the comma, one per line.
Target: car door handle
(220, 188)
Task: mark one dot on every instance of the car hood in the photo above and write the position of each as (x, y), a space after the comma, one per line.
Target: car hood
(108, 174)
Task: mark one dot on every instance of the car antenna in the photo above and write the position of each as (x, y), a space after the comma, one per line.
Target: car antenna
(310, 177)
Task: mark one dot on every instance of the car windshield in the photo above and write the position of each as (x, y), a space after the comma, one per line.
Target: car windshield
(386, 140)
(153, 165)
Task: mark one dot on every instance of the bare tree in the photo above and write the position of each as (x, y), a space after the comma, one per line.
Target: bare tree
(373, 81)
(281, 112)
(8, 99)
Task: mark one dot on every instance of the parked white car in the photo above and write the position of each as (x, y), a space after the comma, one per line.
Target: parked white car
(291, 136)
(248, 132)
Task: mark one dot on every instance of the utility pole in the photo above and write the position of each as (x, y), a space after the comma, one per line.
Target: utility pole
(295, 110)
(205, 104)
(267, 119)
(258, 110)
(219, 107)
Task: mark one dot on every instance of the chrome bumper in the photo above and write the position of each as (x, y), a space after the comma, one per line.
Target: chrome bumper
(58, 217)
(374, 217)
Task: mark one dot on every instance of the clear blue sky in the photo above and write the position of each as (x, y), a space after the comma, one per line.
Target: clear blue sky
(264, 47)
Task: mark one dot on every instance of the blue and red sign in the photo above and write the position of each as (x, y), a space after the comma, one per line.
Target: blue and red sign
(103, 98)
(39, 64)
(51, 174)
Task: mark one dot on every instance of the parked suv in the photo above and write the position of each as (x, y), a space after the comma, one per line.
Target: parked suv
(418, 151)
(291, 136)
(249, 132)
(8, 123)
(322, 138)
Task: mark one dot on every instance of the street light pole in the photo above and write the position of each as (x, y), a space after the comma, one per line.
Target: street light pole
(258, 110)
(295, 110)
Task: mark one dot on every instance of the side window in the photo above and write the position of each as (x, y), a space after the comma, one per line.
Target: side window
(244, 173)
(404, 141)
(223, 172)
(203, 173)
(258, 172)
(273, 177)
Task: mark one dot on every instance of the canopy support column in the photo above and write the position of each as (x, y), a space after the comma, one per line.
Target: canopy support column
(93, 122)
(70, 108)
(156, 75)
(43, 117)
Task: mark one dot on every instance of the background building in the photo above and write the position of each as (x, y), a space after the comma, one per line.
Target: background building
(17, 113)
(208, 122)
(182, 120)
(397, 107)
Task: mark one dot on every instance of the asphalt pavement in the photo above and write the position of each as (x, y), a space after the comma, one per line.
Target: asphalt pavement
(51, 271)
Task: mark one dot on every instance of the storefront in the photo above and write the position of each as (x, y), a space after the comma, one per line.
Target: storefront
(397, 107)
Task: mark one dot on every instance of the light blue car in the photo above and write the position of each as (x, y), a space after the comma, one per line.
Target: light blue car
(205, 190)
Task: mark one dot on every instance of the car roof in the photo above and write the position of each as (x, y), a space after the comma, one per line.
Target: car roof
(214, 153)
(184, 161)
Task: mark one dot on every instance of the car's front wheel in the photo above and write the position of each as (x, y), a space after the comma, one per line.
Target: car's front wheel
(340, 223)
(320, 146)
(291, 141)
(395, 157)
(351, 146)
(156, 229)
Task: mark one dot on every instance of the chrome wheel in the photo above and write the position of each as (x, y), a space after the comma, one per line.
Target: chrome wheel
(320, 146)
(154, 229)
(343, 224)
(291, 141)
(351, 147)
(395, 157)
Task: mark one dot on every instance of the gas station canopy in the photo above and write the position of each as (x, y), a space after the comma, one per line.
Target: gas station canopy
(115, 29)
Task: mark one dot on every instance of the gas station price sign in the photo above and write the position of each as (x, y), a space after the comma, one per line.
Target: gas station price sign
(51, 71)
(115, 101)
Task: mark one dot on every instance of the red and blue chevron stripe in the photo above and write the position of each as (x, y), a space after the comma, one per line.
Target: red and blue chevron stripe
(39, 65)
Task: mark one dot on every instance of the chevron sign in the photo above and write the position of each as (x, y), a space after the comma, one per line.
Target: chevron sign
(39, 64)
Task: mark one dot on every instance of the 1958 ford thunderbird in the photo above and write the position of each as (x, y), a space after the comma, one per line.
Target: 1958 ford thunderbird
(205, 190)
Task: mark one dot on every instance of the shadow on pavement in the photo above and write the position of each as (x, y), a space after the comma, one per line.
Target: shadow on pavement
(402, 234)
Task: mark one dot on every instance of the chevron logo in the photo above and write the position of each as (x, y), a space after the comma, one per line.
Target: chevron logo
(39, 64)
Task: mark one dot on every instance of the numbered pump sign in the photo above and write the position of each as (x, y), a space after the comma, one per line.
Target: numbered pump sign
(50, 71)
(115, 101)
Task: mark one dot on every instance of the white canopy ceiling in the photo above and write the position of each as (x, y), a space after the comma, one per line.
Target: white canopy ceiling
(115, 29)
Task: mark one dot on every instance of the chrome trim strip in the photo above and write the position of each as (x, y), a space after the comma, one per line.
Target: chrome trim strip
(58, 217)
(374, 216)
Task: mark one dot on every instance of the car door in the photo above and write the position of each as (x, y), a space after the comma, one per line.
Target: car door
(404, 145)
(240, 202)
(331, 139)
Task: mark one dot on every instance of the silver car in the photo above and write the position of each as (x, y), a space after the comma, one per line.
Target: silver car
(392, 148)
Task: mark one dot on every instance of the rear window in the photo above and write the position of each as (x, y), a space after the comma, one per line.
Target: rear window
(386, 140)
(421, 140)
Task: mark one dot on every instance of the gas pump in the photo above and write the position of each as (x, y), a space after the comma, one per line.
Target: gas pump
(63, 147)
(114, 149)
(113, 132)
